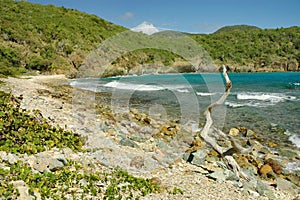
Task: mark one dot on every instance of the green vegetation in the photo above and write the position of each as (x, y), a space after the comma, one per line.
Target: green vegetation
(254, 49)
(237, 28)
(47, 38)
(53, 39)
(77, 183)
(21, 132)
(25, 133)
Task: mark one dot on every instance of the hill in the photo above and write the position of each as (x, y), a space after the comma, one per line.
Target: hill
(51, 39)
(254, 50)
(47, 38)
(236, 28)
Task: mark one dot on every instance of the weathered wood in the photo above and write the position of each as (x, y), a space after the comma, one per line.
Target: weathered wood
(228, 159)
(209, 121)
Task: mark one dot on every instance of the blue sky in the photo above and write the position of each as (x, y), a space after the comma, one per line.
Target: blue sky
(194, 16)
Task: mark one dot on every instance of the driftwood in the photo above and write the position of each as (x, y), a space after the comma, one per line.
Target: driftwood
(228, 159)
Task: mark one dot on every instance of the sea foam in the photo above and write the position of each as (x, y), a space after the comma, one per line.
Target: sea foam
(205, 94)
(132, 86)
(272, 97)
(295, 139)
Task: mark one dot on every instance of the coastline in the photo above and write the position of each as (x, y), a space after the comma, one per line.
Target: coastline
(55, 100)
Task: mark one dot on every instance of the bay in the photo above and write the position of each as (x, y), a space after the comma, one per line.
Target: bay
(268, 103)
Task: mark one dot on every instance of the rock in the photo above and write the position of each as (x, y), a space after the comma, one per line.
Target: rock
(147, 130)
(12, 158)
(234, 132)
(47, 161)
(9, 157)
(253, 194)
(287, 186)
(296, 198)
(294, 179)
(128, 142)
(158, 155)
(272, 144)
(223, 175)
(275, 165)
(289, 153)
(258, 147)
(264, 190)
(292, 65)
(218, 176)
(155, 180)
(250, 185)
(137, 162)
(265, 169)
(21, 186)
(250, 133)
(197, 158)
(134, 126)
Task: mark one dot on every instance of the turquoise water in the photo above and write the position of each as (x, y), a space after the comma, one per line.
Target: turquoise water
(268, 103)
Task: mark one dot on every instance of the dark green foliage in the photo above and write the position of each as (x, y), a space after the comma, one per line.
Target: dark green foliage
(260, 48)
(48, 35)
(21, 132)
(237, 28)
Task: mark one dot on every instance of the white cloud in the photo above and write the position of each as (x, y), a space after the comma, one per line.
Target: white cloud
(127, 15)
(146, 28)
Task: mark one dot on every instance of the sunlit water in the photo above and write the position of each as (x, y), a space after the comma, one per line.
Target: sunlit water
(268, 103)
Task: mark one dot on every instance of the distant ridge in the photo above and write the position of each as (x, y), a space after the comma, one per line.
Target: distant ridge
(242, 27)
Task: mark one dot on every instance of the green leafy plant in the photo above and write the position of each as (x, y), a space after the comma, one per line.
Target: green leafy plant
(22, 132)
(117, 184)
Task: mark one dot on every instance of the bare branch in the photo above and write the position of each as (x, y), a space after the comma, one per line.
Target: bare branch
(204, 133)
(228, 159)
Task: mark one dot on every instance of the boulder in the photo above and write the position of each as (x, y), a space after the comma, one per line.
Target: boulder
(197, 158)
(264, 190)
(275, 165)
(234, 132)
(265, 169)
(47, 161)
(223, 175)
(287, 186)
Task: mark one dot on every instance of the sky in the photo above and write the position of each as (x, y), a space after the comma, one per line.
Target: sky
(193, 16)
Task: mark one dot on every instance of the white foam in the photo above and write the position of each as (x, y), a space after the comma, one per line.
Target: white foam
(250, 104)
(259, 99)
(205, 93)
(183, 90)
(295, 139)
(272, 97)
(90, 86)
(296, 84)
(131, 86)
(234, 105)
(287, 132)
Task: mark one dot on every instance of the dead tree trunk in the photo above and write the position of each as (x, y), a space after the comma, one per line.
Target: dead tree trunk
(228, 159)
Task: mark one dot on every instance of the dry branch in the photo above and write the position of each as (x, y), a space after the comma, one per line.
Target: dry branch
(228, 159)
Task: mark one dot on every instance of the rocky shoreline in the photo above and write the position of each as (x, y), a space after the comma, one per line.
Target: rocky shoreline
(163, 151)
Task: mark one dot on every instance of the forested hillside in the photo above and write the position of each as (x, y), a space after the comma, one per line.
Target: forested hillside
(47, 38)
(51, 39)
(254, 49)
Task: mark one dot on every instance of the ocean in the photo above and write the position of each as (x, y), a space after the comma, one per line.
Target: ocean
(267, 103)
